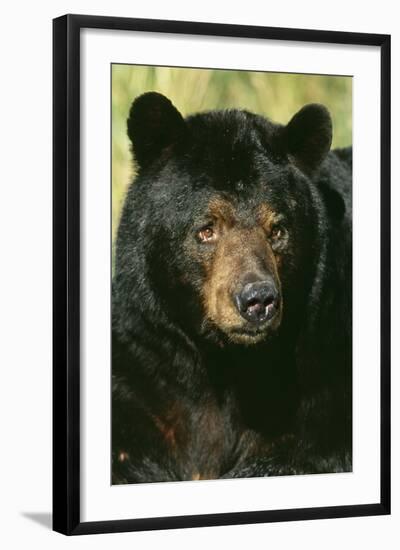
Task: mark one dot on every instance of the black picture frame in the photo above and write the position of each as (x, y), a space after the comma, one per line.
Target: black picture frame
(66, 273)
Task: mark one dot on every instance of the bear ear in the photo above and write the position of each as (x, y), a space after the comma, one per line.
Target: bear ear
(308, 137)
(153, 124)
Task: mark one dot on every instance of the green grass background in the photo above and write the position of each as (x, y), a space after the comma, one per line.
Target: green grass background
(276, 95)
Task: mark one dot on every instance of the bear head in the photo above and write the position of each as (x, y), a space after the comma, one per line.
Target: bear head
(222, 225)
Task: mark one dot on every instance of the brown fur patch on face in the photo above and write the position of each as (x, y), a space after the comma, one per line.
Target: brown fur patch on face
(222, 276)
(222, 211)
(239, 253)
(267, 217)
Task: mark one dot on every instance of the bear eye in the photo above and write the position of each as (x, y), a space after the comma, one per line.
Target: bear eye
(206, 235)
(278, 236)
(276, 232)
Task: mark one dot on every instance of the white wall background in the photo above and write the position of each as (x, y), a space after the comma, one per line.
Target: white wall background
(25, 289)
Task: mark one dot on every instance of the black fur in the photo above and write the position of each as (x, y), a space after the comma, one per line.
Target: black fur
(187, 403)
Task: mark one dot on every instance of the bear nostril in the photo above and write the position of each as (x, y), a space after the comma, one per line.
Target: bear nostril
(255, 304)
(258, 308)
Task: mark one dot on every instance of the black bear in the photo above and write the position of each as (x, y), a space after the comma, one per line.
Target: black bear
(231, 304)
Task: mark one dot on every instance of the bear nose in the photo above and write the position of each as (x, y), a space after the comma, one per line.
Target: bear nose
(257, 302)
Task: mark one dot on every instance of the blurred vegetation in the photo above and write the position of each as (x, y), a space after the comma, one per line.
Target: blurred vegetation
(276, 95)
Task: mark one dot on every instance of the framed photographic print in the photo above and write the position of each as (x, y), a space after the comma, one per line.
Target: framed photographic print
(221, 274)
